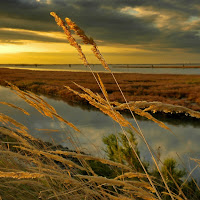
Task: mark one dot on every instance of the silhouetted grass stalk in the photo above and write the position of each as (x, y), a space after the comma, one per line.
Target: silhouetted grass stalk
(97, 53)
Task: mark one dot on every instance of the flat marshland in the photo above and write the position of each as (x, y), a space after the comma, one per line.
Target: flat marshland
(180, 90)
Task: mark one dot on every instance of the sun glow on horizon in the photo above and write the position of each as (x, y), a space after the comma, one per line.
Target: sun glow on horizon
(45, 52)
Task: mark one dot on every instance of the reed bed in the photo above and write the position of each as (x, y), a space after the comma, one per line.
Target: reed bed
(182, 90)
(32, 169)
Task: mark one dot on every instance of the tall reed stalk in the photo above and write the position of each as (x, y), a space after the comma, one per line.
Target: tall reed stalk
(32, 169)
(95, 50)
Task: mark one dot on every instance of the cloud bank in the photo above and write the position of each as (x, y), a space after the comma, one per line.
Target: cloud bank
(155, 25)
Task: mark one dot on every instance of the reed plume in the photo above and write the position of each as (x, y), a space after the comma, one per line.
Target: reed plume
(62, 174)
(40, 105)
(103, 105)
(87, 40)
(96, 101)
(20, 175)
(16, 107)
(159, 107)
(70, 38)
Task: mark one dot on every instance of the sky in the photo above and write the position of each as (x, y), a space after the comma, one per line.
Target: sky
(126, 31)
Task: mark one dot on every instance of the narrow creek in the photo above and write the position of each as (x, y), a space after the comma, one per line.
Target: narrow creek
(94, 125)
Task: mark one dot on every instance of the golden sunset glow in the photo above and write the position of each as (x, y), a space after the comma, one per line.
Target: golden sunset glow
(125, 33)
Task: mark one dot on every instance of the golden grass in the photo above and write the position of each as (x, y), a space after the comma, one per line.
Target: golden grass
(104, 106)
(62, 179)
(159, 107)
(61, 174)
(70, 38)
(16, 107)
(40, 105)
(107, 109)
(87, 157)
(20, 175)
(86, 40)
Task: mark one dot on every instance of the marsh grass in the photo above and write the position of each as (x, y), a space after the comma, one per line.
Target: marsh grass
(30, 168)
(182, 90)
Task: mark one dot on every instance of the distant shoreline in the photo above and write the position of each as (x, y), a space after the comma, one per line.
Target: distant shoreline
(120, 69)
(161, 65)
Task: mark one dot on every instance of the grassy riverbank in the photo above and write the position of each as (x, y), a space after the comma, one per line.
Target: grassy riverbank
(180, 90)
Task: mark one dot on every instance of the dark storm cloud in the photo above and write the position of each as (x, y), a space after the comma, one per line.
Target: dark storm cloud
(104, 20)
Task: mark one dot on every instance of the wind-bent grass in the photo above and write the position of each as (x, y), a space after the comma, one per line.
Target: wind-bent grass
(55, 174)
(31, 169)
(109, 110)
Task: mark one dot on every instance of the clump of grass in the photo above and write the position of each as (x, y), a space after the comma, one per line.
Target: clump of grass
(34, 168)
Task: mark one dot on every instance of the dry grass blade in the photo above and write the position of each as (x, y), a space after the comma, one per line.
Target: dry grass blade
(137, 191)
(40, 105)
(149, 116)
(16, 107)
(119, 106)
(79, 31)
(20, 175)
(87, 157)
(196, 160)
(50, 156)
(47, 130)
(117, 197)
(6, 120)
(131, 175)
(115, 115)
(87, 40)
(12, 134)
(161, 107)
(41, 100)
(133, 107)
(103, 105)
(31, 100)
(99, 56)
(142, 184)
(175, 196)
(65, 121)
(21, 157)
(70, 38)
(92, 95)
(103, 87)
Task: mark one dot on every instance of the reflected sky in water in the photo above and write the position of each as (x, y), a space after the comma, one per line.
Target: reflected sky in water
(95, 125)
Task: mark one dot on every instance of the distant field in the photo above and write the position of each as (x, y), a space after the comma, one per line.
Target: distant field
(174, 89)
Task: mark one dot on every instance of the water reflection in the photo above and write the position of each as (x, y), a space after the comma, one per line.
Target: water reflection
(94, 125)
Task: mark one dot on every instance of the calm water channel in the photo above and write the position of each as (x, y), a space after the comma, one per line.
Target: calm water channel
(94, 126)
